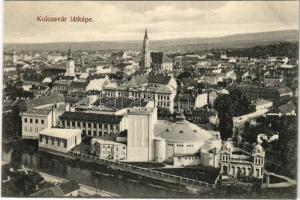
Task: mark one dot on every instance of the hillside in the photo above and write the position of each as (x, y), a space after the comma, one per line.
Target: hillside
(190, 44)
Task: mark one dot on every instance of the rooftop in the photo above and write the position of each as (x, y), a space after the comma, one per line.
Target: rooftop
(46, 111)
(91, 117)
(60, 132)
(180, 131)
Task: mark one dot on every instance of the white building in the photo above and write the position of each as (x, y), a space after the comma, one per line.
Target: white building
(235, 162)
(181, 143)
(34, 121)
(201, 100)
(57, 139)
(106, 149)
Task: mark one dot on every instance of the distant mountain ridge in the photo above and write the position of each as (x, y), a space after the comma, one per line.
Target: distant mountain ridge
(231, 41)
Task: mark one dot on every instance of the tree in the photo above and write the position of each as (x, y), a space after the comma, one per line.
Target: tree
(236, 103)
(288, 145)
(226, 126)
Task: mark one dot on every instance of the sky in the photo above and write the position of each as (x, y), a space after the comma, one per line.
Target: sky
(115, 21)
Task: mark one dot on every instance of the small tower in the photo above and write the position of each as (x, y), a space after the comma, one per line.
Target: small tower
(70, 67)
(258, 155)
(14, 57)
(146, 57)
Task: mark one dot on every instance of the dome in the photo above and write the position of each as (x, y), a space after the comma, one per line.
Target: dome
(181, 131)
(228, 145)
(258, 149)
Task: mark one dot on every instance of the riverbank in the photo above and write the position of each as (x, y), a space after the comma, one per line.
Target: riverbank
(84, 189)
(106, 169)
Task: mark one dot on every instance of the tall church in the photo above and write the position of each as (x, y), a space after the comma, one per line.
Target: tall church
(146, 55)
(70, 68)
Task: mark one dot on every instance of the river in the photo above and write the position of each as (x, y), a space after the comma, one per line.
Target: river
(124, 188)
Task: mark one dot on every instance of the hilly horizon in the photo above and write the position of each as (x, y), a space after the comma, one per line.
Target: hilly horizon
(193, 44)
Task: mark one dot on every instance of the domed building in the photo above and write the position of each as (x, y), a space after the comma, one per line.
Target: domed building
(183, 143)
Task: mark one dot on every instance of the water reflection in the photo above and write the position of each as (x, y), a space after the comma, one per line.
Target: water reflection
(122, 187)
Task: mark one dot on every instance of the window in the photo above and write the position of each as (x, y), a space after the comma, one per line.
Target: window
(46, 139)
(111, 127)
(58, 141)
(30, 121)
(65, 143)
(73, 123)
(25, 120)
(36, 121)
(42, 121)
(83, 124)
(53, 140)
(89, 132)
(68, 123)
(95, 125)
(78, 123)
(89, 125)
(41, 138)
(94, 133)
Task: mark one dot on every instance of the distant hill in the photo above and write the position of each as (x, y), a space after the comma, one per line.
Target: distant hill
(190, 44)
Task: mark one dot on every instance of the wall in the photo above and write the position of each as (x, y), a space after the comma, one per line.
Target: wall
(31, 130)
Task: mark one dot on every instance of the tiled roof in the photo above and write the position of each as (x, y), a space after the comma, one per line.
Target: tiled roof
(159, 78)
(287, 108)
(78, 84)
(39, 111)
(28, 105)
(91, 117)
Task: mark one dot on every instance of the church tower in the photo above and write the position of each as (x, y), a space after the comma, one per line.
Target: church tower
(146, 57)
(70, 68)
(14, 57)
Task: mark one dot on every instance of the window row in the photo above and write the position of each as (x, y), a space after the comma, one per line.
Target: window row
(190, 158)
(89, 125)
(33, 120)
(32, 129)
(51, 140)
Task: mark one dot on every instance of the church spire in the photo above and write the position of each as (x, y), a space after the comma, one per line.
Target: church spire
(146, 57)
(146, 34)
(69, 54)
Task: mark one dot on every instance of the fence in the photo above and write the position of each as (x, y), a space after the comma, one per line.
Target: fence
(141, 169)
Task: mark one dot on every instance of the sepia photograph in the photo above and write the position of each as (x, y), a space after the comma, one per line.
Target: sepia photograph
(150, 99)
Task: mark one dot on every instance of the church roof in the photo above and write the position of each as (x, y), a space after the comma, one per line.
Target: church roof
(159, 58)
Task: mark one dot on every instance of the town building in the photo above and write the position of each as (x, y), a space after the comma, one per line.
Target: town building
(61, 86)
(34, 121)
(40, 118)
(107, 149)
(93, 124)
(237, 162)
(278, 96)
(58, 139)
